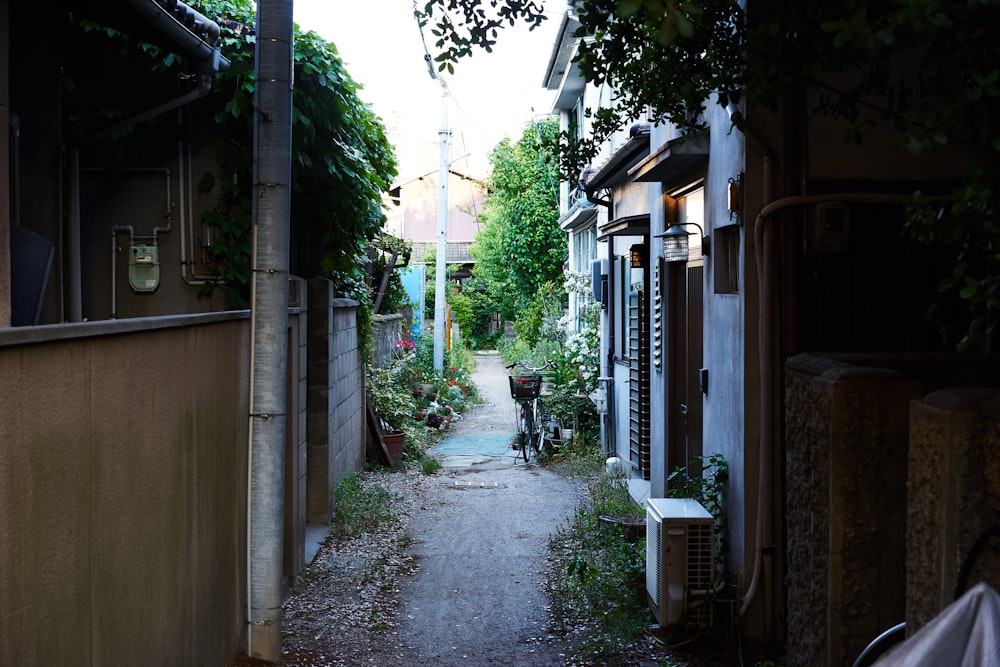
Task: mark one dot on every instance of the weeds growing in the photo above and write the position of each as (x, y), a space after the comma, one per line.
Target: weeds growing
(596, 581)
(359, 509)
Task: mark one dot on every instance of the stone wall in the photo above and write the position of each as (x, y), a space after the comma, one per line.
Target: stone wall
(846, 443)
(954, 498)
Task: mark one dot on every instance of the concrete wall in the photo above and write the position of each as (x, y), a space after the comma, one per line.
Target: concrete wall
(954, 497)
(123, 491)
(336, 427)
(846, 442)
(887, 494)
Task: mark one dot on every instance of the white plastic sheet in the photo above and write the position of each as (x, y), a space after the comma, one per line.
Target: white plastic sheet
(965, 634)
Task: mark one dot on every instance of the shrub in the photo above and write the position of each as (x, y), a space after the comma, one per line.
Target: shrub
(359, 509)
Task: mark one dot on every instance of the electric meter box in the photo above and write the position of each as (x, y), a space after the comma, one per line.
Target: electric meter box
(144, 268)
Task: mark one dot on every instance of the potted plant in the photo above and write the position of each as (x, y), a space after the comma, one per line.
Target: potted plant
(392, 403)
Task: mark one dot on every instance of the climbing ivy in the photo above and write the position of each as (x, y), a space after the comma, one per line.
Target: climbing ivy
(342, 160)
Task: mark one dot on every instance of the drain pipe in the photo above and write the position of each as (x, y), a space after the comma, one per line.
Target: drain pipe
(115, 231)
(185, 205)
(15, 169)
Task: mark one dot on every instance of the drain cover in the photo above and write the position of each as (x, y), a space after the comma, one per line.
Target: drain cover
(471, 485)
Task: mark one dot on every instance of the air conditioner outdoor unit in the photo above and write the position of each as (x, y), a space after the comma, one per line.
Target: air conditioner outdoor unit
(680, 558)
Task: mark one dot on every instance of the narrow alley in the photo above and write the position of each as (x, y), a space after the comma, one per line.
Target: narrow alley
(480, 540)
(460, 581)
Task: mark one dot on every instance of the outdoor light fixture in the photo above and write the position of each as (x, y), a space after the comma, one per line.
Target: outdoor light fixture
(675, 241)
(734, 198)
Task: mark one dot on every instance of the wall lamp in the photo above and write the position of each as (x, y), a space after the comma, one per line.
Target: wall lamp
(675, 241)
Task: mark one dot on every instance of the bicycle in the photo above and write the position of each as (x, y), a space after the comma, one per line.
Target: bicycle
(525, 389)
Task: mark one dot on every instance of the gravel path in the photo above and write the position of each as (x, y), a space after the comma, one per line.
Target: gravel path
(460, 579)
(481, 538)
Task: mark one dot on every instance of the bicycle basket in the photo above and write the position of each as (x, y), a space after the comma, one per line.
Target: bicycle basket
(525, 386)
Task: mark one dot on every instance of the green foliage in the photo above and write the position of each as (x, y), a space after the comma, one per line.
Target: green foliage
(395, 297)
(391, 400)
(342, 161)
(520, 247)
(973, 239)
(611, 497)
(359, 508)
(705, 479)
(544, 307)
(352, 285)
(576, 412)
(383, 250)
(923, 73)
(231, 251)
(596, 578)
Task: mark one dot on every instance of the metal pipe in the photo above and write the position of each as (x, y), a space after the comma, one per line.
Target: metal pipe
(75, 288)
(767, 344)
(15, 169)
(115, 231)
(202, 88)
(75, 297)
(185, 206)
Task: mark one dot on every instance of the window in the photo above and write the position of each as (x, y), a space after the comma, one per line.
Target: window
(584, 248)
(726, 249)
(622, 311)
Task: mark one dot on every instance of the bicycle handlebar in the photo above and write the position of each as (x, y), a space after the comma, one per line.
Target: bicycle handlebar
(524, 364)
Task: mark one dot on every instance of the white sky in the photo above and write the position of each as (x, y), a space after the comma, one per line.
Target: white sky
(492, 94)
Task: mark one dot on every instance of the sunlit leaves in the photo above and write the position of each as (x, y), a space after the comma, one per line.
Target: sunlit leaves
(521, 246)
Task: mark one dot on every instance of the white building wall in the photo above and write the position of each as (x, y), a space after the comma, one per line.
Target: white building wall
(727, 401)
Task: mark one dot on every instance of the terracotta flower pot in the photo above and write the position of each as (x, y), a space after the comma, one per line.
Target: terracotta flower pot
(394, 441)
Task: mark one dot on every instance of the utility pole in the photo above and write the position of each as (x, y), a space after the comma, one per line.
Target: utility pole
(440, 299)
(272, 167)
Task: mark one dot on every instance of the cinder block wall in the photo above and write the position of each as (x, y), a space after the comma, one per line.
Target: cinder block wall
(335, 380)
(846, 443)
(954, 489)
(296, 448)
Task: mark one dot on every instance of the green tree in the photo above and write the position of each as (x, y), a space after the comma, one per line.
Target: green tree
(521, 247)
(925, 73)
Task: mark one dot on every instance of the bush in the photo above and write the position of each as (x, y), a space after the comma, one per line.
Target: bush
(391, 399)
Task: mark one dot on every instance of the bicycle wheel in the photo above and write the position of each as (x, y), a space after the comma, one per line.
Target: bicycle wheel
(527, 433)
(539, 427)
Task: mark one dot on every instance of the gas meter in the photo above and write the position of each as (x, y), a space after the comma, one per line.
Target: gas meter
(144, 268)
